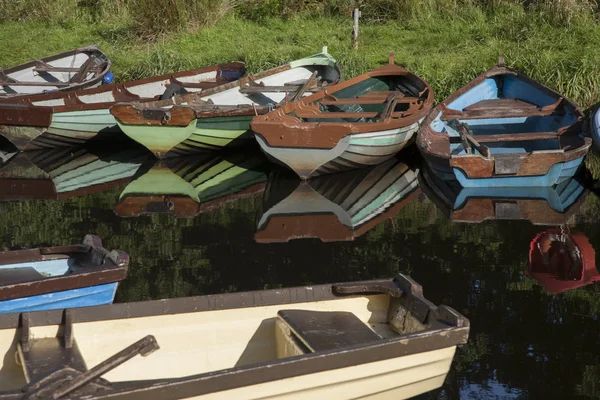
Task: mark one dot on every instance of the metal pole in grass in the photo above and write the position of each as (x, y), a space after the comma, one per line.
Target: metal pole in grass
(355, 14)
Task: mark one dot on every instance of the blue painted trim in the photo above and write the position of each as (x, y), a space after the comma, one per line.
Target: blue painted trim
(83, 297)
(556, 174)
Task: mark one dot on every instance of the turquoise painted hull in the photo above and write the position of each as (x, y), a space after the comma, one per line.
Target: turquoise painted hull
(83, 297)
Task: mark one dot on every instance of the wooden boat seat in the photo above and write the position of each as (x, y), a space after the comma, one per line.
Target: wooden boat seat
(11, 276)
(42, 66)
(327, 330)
(503, 108)
(368, 100)
(194, 85)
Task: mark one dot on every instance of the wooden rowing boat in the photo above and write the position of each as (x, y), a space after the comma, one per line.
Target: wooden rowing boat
(562, 260)
(504, 130)
(60, 277)
(555, 205)
(220, 117)
(72, 118)
(75, 69)
(336, 207)
(80, 171)
(363, 121)
(188, 186)
(357, 340)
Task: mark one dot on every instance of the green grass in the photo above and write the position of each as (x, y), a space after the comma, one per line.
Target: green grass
(447, 49)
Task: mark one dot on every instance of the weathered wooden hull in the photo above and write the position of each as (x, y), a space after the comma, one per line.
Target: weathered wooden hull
(58, 277)
(335, 207)
(252, 345)
(169, 130)
(70, 119)
(553, 205)
(504, 130)
(554, 175)
(61, 70)
(351, 152)
(201, 135)
(359, 122)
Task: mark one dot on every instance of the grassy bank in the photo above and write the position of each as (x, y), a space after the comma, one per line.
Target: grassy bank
(446, 48)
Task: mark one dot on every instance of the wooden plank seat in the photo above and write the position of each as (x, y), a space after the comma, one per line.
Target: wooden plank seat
(42, 66)
(343, 115)
(28, 83)
(503, 108)
(275, 89)
(368, 100)
(327, 330)
(194, 85)
(517, 137)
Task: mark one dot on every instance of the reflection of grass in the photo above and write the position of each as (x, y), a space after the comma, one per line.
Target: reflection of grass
(448, 49)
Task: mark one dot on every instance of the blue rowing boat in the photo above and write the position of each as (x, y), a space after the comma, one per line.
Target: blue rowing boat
(504, 130)
(60, 277)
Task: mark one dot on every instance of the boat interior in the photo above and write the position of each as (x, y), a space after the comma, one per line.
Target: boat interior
(192, 343)
(371, 100)
(20, 266)
(48, 74)
(277, 87)
(508, 114)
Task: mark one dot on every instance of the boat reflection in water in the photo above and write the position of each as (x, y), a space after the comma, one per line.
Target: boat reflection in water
(187, 186)
(20, 179)
(562, 260)
(335, 207)
(61, 173)
(553, 205)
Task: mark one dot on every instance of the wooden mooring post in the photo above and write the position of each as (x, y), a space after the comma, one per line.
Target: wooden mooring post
(355, 14)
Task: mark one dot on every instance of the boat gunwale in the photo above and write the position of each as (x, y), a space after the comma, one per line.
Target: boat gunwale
(114, 268)
(92, 49)
(446, 328)
(193, 107)
(319, 135)
(119, 90)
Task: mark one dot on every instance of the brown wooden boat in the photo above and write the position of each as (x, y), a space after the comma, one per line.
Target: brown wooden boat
(71, 70)
(355, 340)
(360, 122)
(57, 277)
(504, 130)
(71, 118)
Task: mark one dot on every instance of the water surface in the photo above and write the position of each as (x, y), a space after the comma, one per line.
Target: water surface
(223, 223)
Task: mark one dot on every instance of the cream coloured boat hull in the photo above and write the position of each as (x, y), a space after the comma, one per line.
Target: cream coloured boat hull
(212, 348)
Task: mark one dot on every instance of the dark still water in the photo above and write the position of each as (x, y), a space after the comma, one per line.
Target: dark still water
(519, 265)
